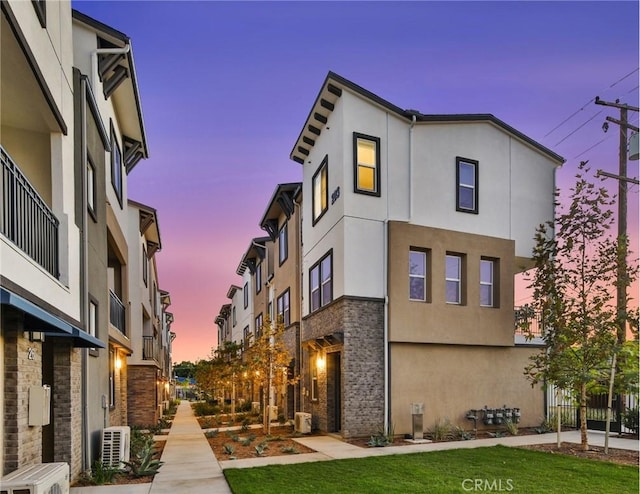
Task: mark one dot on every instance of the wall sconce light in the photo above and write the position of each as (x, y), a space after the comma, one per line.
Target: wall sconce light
(118, 363)
(320, 362)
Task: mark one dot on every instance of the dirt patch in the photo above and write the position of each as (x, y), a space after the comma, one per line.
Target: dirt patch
(254, 443)
(621, 456)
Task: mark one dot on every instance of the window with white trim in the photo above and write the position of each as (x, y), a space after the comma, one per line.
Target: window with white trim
(453, 273)
(487, 283)
(418, 275)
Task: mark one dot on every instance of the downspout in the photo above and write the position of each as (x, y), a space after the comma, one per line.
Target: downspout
(300, 274)
(84, 277)
(103, 51)
(385, 291)
(413, 122)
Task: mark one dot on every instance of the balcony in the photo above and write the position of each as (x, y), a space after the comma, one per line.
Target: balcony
(149, 348)
(25, 218)
(117, 315)
(529, 327)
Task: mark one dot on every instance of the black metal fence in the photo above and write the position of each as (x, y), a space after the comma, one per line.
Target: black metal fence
(117, 312)
(149, 348)
(25, 218)
(528, 322)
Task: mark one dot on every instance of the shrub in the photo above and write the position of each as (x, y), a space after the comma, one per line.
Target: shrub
(212, 433)
(631, 420)
(229, 449)
(101, 473)
(461, 434)
(512, 427)
(203, 408)
(290, 450)
(144, 461)
(441, 431)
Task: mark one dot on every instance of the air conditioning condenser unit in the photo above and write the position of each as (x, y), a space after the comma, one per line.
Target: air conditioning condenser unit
(116, 446)
(302, 423)
(43, 478)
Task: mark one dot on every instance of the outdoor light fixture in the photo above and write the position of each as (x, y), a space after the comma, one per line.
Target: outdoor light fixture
(118, 363)
(320, 362)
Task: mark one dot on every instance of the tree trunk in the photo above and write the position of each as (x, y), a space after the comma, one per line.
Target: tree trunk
(584, 442)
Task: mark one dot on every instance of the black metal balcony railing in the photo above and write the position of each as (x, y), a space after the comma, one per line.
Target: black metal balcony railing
(148, 348)
(116, 312)
(25, 218)
(528, 322)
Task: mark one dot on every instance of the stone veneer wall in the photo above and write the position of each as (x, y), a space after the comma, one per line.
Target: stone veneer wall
(362, 361)
(141, 393)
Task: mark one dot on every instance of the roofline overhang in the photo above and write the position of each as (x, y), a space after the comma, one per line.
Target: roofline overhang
(332, 89)
(121, 39)
(232, 290)
(251, 253)
(286, 192)
(152, 222)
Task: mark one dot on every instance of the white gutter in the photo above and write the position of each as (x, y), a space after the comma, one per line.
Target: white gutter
(103, 51)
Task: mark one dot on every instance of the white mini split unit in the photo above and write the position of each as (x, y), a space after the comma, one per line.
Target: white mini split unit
(115, 446)
(273, 412)
(302, 423)
(43, 478)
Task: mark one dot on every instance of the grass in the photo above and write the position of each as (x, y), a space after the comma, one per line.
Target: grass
(441, 472)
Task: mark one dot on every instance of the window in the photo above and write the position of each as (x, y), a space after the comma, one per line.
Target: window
(283, 243)
(116, 166)
(453, 279)
(258, 278)
(93, 321)
(321, 282)
(487, 283)
(466, 185)
(247, 336)
(145, 266)
(320, 191)
(417, 275)
(284, 314)
(246, 294)
(259, 326)
(233, 314)
(366, 164)
(91, 189)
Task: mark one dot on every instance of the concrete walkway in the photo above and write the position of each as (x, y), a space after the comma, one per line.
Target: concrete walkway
(190, 466)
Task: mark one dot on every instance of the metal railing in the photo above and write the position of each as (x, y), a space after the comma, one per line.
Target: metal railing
(528, 323)
(117, 312)
(25, 218)
(149, 351)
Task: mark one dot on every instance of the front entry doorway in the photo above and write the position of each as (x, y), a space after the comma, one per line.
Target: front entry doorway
(334, 392)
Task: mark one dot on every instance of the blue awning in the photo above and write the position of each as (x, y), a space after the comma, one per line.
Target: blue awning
(39, 320)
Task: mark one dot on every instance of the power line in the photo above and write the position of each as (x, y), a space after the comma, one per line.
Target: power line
(577, 129)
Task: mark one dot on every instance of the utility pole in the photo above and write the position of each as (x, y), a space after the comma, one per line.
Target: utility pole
(621, 288)
(621, 291)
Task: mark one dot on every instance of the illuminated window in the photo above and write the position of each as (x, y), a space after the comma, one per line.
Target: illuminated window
(320, 191)
(366, 162)
(466, 185)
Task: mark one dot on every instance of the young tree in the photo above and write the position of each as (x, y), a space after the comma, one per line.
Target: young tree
(222, 372)
(268, 360)
(573, 292)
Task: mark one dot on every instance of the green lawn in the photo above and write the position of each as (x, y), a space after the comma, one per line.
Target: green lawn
(494, 469)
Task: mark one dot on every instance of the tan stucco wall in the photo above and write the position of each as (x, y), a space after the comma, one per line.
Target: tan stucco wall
(435, 321)
(452, 379)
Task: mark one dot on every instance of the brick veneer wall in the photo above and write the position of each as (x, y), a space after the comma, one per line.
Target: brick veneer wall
(362, 361)
(22, 444)
(118, 414)
(141, 395)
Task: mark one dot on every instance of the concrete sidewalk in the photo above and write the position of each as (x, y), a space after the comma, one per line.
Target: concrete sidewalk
(190, 466)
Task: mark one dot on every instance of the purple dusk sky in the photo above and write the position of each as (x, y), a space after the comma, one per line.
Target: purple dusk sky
(227, 86)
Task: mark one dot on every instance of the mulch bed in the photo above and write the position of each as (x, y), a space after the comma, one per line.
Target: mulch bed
(621, 456)
(280, 439)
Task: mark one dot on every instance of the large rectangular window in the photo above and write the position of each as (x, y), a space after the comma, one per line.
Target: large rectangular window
(283, 243)
(320, 190)
(418, 275)
(284, 313)
(466, 185)
(116, 166)
(487, 283)
(366, 164)
(247, 337)
(246, 294)
(453, 273)
(321, 282)
(233, 316)
(145, 266)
